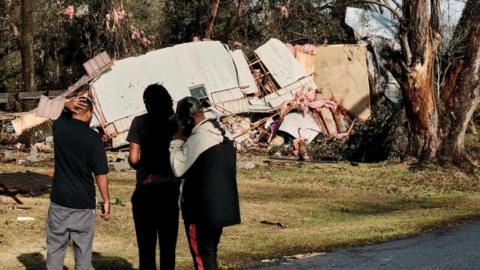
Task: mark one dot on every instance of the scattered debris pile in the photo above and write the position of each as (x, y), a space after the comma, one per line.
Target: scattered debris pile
(280, 96)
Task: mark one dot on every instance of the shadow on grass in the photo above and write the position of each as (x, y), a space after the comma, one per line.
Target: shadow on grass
(100, 262)
(36, 261)
(30, 183)
(372, 208)
(33, 261)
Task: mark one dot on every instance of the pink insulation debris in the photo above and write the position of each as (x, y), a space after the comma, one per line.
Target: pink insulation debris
(69, 11)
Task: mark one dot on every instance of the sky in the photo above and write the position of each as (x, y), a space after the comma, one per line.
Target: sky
(452, 10)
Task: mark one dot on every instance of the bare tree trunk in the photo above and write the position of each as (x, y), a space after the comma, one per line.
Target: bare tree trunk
(420, 39)
(28, 72)
(211, 18)
(460, 93)
(238, 17)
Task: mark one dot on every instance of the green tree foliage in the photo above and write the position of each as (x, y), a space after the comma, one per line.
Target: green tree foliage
(63, 40)
(290, 21)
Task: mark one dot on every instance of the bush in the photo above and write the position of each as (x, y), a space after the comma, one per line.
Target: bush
(382, 137)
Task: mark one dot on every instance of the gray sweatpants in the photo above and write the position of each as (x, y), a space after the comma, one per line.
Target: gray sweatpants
(63, 224)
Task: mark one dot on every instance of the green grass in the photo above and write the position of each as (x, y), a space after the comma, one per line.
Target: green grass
(324, 207)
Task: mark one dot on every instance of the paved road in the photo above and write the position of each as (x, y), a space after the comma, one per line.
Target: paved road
(457, 248)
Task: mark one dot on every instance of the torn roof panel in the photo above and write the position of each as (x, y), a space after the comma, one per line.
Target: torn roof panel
(161, 66)
(280, 62)
(119, 91)
(206, 63)
(246, 81)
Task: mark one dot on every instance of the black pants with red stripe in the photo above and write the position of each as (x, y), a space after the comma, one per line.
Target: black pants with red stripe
(203, 242)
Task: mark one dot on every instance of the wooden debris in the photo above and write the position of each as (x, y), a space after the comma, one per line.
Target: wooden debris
(279, 224)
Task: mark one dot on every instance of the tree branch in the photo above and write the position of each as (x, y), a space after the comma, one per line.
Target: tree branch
(392, 10)
(396, 3)
(211, 18)
(436, 15)
(239, 16)
(407, 52)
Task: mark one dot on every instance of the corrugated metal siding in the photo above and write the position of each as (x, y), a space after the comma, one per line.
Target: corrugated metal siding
(280, 62)
(119, 91)
(227, 95)
(236, 106)
(124, 124)
(206, 63)
(120, 140)
(244, 74)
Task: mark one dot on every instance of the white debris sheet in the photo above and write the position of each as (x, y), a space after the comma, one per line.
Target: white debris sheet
(380, 32)
(368, 23)
(27, 120)
(298, 125)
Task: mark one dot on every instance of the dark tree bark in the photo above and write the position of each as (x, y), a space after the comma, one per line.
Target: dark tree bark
(211, 18)
(420, 38)
(236, 23)
(460, 92)
(28, 71)
(3, 8)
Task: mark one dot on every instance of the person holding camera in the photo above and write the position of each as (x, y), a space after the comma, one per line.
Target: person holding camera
(155, 199)
(204, 156)
(79, 156)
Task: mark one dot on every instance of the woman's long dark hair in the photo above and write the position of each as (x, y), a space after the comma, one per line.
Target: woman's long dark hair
(158, 101)
(159, 130)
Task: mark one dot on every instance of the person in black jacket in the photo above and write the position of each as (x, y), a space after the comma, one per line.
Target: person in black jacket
(204, 156)
(155, 199)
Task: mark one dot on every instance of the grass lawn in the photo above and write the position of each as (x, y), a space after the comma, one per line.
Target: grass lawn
(324, 207)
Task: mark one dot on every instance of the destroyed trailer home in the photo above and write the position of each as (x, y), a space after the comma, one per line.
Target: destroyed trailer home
(278, 95)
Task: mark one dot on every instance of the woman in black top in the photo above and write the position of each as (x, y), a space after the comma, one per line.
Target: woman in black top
(155, 199)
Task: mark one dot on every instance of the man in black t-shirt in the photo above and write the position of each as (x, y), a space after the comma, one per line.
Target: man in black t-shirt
(79, 155)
